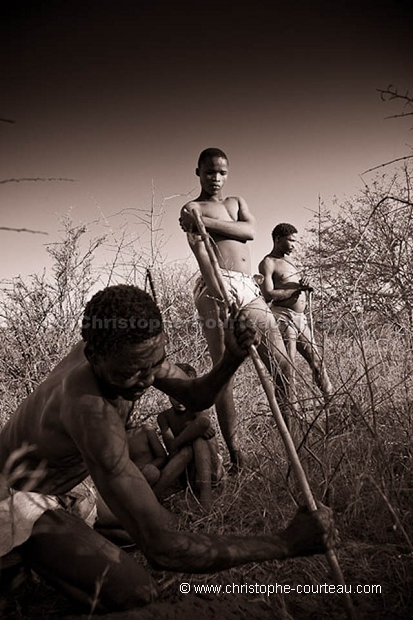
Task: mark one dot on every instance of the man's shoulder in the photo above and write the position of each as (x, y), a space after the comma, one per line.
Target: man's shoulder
(65, 380)
(269, 264)
(267, 260)
(239, 201)
(237, 198)
(194, 201)
(85, 414)
(78, 377)
(273, 260)
(190, 203)
(236, 206)
(82, 395)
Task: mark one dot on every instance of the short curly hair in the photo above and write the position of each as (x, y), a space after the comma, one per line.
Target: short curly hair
(118, 315)
(209, 154)
(283, 230)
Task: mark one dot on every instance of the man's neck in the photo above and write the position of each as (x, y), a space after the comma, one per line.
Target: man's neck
(205, 197)
(276, 253)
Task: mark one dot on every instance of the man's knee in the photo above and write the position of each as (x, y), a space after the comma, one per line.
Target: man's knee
(204, 424)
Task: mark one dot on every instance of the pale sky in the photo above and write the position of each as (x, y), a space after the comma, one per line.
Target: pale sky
(115, 96)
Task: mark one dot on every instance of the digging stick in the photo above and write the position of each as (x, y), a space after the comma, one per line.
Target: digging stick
(313, 353)
(310, 314)
(309, 295)
(284, 432)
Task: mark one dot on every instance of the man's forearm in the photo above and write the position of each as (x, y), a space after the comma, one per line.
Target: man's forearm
(240, 231)
(286, 291)
(204, 263)
(204, 553)
(191, 432)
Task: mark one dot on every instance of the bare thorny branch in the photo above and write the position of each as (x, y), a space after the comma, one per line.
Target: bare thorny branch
(390, 93)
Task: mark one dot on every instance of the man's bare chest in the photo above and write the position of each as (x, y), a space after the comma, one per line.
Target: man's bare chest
(226, 211)
(284, 271)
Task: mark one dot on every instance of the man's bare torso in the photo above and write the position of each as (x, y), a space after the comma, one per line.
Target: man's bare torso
(285, 272)
(232, 254)
(44, 418)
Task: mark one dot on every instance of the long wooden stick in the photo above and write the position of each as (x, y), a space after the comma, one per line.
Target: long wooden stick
(309, 296)
(282, 427)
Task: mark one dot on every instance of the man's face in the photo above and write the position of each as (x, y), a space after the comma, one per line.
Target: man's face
(213, 174)
(132, 368)
(287, 243)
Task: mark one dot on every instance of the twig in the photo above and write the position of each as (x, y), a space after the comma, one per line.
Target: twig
(35, 179)
(392, 161)
(28, 230)
(390, 507)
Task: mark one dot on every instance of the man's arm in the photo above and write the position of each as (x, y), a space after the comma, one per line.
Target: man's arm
(197, 246)
(193, 430)
(200, 393)
(98, 432)
(273, 286)
(241, 226)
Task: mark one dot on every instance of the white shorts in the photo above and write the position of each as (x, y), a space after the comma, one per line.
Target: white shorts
(241, 287)
(289, 318)
(20, 510)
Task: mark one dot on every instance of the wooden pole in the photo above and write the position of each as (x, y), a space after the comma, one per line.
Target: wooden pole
(284, 432)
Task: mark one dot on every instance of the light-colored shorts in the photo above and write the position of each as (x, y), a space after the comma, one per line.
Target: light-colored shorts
(241, 287)
(20, 510)
(289, 318)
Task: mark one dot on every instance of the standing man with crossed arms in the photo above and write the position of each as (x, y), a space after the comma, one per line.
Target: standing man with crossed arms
(231, 225)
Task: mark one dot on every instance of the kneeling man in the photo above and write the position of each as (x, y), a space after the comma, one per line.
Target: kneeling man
(73, 426)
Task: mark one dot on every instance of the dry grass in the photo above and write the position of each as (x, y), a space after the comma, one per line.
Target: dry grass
(363, 468)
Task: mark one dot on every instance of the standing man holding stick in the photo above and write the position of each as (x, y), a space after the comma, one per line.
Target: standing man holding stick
(231, 225)
(288, 295)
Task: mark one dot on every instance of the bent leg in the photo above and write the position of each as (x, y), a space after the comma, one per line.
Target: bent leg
(224, 404)
(172, 470)
(203, 471)
(310, 353)
(217, 470)
(86, 566)
(273, 353)
(289, 335)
